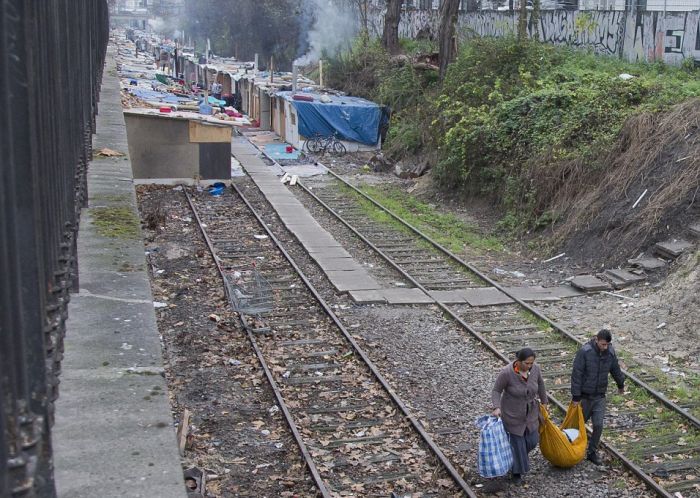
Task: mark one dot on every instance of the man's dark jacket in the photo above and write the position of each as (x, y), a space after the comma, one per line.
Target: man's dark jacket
(589, 377)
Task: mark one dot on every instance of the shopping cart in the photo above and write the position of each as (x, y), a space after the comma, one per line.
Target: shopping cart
(249, 293)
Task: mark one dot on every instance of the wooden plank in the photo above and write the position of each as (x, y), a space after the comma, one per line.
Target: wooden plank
(209, 133)
(182, 431)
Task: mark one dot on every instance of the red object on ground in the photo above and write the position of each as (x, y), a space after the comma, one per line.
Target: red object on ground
(165, 109)
(289, 149)
(305, 98)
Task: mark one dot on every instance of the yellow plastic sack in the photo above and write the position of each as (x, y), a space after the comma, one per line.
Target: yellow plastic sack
(554, 444)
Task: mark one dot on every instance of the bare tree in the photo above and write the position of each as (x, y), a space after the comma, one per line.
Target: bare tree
(390, 38)
(362, 7)
(522, 21)
(446, 36)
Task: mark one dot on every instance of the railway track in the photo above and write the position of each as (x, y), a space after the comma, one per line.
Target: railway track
(653, 436)
(355, 435)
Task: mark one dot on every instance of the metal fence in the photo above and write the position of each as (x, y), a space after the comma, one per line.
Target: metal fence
(51, 58)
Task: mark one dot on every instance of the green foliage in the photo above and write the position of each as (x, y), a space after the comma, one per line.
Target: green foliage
(410, 46)
(359, 70)
(510, 112)
(445, 228)
(509, 108)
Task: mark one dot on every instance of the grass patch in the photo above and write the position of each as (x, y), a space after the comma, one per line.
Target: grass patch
(116, 222)
(446, 229)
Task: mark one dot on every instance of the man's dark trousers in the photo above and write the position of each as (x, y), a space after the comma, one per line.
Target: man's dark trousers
(594, 409)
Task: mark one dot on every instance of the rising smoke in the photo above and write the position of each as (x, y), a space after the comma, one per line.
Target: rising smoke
(326, 26)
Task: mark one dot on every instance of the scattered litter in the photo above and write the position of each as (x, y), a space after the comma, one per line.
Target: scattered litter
(158, 304)
(286, 374)
(555, 257)
(260, 237)
(661, 325)
(274, 409)
(616, 295)
(640, 198)
(625, 76)
(126, 346)
(233, 362)
(216, 189)
(515, 274)
(108, 153)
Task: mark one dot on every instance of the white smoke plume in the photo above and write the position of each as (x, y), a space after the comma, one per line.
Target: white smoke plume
(334, 26)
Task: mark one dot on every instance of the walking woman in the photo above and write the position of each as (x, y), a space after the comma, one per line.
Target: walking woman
(514, 400)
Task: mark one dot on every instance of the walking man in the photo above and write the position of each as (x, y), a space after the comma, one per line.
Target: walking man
(589, 383)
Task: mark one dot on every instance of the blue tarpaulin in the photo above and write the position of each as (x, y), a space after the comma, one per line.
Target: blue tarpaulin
(352, 118)
(154, 95)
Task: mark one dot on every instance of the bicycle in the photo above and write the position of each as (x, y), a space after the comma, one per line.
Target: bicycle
(320, 144)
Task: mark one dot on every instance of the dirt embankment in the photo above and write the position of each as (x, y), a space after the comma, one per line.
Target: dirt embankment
(647, 190)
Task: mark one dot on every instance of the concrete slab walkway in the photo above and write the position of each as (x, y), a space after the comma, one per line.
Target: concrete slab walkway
(114, 433)
(343, 272)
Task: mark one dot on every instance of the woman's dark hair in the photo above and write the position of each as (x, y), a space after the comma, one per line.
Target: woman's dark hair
(605, 335)
(524, 354)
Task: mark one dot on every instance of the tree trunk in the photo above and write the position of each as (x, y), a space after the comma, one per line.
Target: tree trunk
(390, 38)
(448, 46)
(522, 21)
(535, 20)
(363, 9)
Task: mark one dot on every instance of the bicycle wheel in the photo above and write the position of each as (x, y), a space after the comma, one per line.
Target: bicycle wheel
(339, 149)
(314, 145)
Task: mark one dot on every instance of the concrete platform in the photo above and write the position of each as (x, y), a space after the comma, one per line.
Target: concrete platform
(367, 296)
(449, 296)
(648, 264)
(485, 296)
(623, 278)
(345, 281)
(538, 293)
(344, 273)
(672, 248)
(114, 433)
(406, 296)
(590, 283)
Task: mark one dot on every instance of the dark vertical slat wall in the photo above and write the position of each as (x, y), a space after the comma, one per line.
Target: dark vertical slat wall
(52, 55)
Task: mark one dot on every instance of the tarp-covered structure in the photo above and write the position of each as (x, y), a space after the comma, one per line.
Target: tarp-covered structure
(352, 119)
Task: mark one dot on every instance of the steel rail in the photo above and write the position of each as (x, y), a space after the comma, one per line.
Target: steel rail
(648, 480)
(395, 398)
(556, 326)
(278, 394)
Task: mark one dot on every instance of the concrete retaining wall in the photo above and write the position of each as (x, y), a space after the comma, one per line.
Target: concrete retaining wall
(647, 36)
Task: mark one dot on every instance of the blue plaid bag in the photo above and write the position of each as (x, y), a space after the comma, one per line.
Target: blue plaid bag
(495, 453)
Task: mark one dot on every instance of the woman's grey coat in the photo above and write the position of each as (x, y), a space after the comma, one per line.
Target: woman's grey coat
(517, 399)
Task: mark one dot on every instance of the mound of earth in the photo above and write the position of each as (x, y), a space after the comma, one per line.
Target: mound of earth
(648, 191)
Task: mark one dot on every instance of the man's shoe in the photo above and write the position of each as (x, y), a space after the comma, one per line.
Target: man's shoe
(516, 479)
(594, 458)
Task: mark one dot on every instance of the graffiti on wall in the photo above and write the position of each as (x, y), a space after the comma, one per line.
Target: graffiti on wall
(645, 36)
